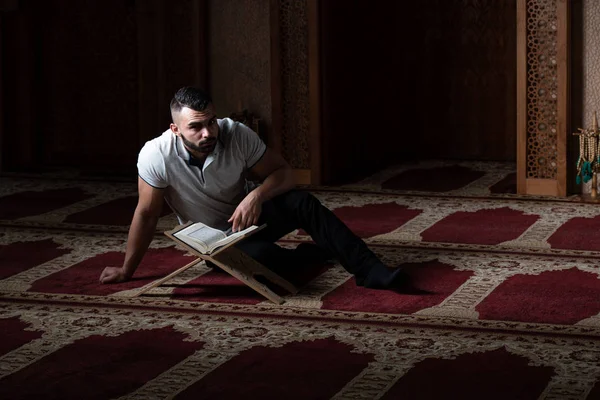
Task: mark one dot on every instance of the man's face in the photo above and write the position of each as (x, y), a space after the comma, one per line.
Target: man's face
(197, 129)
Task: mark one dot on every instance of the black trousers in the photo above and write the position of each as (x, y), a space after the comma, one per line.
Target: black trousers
(299, 209)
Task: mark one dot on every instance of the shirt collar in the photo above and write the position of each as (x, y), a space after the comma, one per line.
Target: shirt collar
(183, 152)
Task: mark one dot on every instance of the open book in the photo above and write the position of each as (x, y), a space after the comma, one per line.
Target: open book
(205, 239)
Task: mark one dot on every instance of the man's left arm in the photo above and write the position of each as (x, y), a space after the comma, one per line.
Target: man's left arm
(276, 176)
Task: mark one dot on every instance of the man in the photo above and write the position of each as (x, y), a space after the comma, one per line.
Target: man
(202, 165)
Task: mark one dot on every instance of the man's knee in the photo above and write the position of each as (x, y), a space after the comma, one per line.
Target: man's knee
(251, 247)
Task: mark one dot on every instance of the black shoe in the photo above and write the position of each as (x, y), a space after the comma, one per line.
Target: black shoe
(380, 277)
(311, 253)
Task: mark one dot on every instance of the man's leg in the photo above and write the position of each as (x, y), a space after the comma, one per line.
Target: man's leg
(299, 209)
(262, 247)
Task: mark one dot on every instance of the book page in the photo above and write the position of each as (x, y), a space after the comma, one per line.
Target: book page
(205, 234)
(195, 244)
(206, 239)
(232, 236)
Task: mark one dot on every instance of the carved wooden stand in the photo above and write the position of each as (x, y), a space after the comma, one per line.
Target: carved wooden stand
(236, 263)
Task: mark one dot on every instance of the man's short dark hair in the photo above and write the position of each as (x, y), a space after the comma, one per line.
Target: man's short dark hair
(190, 97)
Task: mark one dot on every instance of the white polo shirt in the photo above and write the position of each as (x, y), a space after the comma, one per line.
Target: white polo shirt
(209, 194)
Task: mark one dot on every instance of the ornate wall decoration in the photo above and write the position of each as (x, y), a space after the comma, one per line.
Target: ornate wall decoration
(542, 89)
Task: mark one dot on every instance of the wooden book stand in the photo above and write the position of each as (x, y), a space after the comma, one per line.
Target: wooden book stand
(236, 263)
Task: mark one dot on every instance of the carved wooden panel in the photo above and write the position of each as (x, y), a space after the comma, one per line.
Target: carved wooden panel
(543, 107)
(542, 89)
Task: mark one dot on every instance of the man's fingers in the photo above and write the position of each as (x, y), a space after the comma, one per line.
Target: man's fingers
(240, 220)
(232, 220)
(103, 275)
(110, 274)
(105, 278)
(242, 225)
(236, 221)
(253, 219)
(248, 221)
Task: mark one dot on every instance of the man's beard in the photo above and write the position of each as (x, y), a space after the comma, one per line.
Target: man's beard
(205, 146)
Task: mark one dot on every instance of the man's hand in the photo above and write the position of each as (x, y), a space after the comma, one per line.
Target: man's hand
(246, 213)
(113, 275)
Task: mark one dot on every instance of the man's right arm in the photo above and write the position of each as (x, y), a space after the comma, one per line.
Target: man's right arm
(141, 232)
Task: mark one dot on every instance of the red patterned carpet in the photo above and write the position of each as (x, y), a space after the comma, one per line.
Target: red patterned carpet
(451, 178)
(510, 310)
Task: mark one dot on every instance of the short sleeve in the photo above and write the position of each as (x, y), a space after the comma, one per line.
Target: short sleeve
(151, 166)
(250, 145)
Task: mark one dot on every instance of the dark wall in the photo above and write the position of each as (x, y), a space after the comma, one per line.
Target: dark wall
(85, 83)
(406, 80)
(239, 57)
(366, 93)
